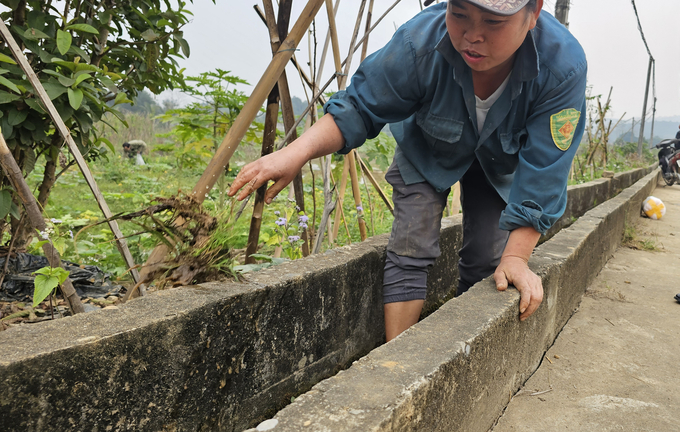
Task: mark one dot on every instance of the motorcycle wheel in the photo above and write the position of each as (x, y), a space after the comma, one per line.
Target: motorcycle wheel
(669, 179)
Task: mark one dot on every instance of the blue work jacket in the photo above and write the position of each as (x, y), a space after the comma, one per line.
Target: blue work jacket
(422, 87)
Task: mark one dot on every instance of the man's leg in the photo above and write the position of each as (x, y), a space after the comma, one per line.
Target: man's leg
(412, 249)
(483, 241)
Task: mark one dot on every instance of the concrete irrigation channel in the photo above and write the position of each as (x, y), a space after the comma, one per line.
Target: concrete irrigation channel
(227, 356)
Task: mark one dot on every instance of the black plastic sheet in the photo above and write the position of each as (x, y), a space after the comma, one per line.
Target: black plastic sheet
(88, 280)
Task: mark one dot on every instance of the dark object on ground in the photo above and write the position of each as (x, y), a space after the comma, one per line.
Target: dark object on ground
(669, 158)
(89, 281)
(677, 298)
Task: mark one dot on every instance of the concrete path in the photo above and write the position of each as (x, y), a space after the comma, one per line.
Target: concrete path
(616, 364)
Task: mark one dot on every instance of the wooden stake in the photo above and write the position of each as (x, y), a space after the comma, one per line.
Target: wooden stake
(16, 178)
(64, 132)
(268, 139)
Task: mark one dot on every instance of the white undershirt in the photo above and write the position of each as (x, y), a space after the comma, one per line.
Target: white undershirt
(483, 106)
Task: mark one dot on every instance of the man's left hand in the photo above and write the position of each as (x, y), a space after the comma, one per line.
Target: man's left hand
(515, 270)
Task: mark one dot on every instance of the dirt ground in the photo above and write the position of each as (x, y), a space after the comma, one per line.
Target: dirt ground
(616, 364)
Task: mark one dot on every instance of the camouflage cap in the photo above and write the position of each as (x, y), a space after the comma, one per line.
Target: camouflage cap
(498, 7)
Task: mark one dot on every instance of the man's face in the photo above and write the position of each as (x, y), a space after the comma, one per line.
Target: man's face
(487, 42)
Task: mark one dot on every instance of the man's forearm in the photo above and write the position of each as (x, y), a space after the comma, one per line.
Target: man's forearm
(322, 139)
(521, 243)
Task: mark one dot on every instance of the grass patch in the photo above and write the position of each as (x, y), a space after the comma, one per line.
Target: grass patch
(634, 240)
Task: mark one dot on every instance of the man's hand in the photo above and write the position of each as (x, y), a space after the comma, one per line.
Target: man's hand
(515, 270)
(281, 167)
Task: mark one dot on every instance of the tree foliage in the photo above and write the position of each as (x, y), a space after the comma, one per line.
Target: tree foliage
(90, 55)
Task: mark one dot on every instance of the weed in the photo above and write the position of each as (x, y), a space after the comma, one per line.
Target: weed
(631, 239)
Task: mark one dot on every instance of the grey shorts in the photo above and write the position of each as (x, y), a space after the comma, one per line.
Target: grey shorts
(414, 241)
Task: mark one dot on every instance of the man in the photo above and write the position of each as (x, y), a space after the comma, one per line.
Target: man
(677, 135)
(488, 92)
(134, 149)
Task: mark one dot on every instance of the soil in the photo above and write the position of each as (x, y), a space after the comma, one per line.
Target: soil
(616, 364)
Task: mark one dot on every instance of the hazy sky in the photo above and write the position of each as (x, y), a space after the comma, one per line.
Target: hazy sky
(230, 36)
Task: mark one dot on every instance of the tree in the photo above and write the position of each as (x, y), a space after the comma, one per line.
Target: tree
(90, 56)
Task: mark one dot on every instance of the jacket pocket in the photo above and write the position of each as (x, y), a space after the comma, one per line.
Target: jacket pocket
(511, 142)
(441, 133)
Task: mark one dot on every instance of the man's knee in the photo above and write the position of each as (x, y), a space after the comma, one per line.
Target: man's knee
(405, 278)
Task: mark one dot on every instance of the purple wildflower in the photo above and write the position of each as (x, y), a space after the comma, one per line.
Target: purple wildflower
(303, 219)
(303, 225)
(277, 213)
(281, 222)
(293, 239)
(360, 209)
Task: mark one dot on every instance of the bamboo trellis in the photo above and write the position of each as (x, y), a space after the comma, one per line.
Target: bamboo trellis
(273, 87)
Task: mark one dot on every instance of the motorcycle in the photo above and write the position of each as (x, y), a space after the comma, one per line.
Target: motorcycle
(669, 160)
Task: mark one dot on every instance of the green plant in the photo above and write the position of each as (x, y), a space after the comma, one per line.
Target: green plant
(288, 228)
(47, 279)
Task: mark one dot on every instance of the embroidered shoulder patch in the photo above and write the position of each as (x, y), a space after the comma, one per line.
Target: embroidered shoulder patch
(563, 126)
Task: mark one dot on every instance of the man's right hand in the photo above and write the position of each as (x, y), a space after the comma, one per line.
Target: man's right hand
(280, 167)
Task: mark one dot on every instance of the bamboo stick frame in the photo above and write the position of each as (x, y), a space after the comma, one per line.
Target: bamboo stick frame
(251, 108)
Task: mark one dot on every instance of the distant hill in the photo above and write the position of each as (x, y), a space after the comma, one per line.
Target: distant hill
(664, 128)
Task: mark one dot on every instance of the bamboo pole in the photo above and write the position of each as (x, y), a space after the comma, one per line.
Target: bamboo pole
(64, 132)
(36, 219)
(280, 144)
(367, 172)
(287, 103)
(356, 191)
(455, 199)
(355, 34)
(268, 139)
(324, 51)
(310, 83)
(369, 15)
(339, 202)
(342, 82)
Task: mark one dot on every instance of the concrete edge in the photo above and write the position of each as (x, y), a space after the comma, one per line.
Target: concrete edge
(308, 318)
(457, 369)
